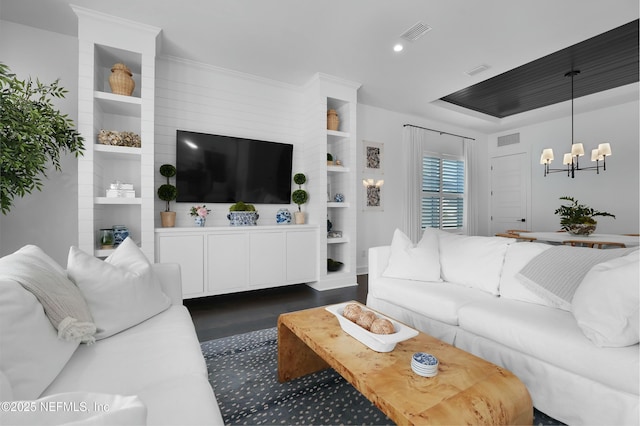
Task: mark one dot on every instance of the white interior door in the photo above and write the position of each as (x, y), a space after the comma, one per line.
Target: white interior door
(509, 193)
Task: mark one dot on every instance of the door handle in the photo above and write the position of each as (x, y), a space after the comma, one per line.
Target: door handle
(523, 220)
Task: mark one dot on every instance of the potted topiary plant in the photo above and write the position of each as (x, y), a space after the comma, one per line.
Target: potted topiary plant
(299, 196)
(242, 214)
(33, 135)
(168, 193)
(577, 219)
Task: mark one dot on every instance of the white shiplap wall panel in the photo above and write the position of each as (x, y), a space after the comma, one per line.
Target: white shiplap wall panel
(203, 98)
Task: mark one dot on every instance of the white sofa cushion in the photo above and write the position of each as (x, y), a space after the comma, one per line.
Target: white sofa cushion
(606, 303)
(419, 263)
(121, 291)
(436, 300)
(473, 261)
(553, 336)
(31, 354)
(161, 348)
(78, 409)
(516, 257)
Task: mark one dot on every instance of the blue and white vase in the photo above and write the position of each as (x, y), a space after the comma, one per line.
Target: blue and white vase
(339, 198)
(200, 221)
(283, 217)
(120, 233)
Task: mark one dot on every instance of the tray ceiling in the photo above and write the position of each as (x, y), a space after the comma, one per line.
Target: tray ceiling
(606, 61)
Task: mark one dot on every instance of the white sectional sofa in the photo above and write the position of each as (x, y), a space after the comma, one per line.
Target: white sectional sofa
(577, 353)
(145, 366)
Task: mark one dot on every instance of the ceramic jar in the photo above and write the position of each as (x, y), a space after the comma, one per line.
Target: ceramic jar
(283, 217)
(120, 233)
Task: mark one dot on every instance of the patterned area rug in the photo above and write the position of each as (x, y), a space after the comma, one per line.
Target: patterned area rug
(243, 371)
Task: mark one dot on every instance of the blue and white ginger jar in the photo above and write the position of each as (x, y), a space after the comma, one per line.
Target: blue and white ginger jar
(283, 217)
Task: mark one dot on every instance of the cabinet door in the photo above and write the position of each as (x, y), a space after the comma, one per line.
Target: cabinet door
(188, 251)
(302, 249)
(267, 259)
(228, 263)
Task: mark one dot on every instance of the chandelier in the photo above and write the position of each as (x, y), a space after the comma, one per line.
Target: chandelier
(570, 159)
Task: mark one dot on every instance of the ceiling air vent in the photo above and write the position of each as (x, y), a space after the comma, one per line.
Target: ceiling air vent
(509, 139)
(415, 32)
(477, 70)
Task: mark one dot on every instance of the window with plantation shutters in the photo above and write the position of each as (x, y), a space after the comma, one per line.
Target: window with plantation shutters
(442, 198)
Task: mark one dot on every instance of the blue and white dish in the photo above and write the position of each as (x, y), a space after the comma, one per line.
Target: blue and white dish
(424, 364)
(425, 358)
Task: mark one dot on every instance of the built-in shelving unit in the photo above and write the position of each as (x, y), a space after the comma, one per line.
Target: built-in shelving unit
(323, 93)
(105, 40)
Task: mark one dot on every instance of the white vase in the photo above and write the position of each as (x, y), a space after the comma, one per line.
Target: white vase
(299, 218)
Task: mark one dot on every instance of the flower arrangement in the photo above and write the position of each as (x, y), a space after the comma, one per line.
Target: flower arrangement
(201, 211)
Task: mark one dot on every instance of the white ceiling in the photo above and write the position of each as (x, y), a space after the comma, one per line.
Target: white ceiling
(290, 40)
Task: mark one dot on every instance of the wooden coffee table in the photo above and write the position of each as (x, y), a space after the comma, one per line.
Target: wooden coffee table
(467, 389)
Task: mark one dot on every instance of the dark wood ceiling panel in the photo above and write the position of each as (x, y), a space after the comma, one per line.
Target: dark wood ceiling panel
(606, 61)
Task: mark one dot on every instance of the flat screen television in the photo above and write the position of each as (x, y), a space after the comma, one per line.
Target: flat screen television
(227, 169)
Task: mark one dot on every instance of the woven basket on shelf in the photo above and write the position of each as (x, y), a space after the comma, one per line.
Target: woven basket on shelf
(120, 80)
(332, 120)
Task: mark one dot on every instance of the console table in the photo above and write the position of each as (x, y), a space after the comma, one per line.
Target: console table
(230, 259)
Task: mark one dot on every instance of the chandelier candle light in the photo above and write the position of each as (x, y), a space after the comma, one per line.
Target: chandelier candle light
(577, 149)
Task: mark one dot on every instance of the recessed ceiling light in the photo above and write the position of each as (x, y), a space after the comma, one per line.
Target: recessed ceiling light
(398, 48)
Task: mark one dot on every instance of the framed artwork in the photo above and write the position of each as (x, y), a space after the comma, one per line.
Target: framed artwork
(373, 157)
(373, 198)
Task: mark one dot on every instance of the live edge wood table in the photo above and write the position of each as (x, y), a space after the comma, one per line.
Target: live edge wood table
(467, 389)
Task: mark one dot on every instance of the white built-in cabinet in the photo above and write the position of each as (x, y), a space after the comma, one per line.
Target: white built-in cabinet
(220, 260)
(325, 181)
(105, 40)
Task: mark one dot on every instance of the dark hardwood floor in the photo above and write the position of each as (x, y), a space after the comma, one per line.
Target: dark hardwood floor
(229, 314)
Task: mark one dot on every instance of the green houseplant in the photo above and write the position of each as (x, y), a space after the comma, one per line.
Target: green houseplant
(299, 196)
(167, 193)
(242, 214)
(578, 219)
(33, 133)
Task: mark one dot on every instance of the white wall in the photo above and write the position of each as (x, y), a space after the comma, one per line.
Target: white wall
(615, 191)
(375, 228)
(49, 218)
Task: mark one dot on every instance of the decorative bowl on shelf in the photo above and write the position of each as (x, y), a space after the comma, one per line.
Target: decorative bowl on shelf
(334, 265)
(376, 342)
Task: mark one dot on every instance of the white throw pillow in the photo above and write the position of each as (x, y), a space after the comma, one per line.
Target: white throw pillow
(408, 262)
(121, 291)
(31, 354)
(77, 408)
(516, 257)
(473, 261)
(607, 302)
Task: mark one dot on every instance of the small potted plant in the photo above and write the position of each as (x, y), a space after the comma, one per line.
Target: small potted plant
(199, 213)
(242, 214)
(578, 219)
(167, 193)
(329, 159)
(299, 196)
